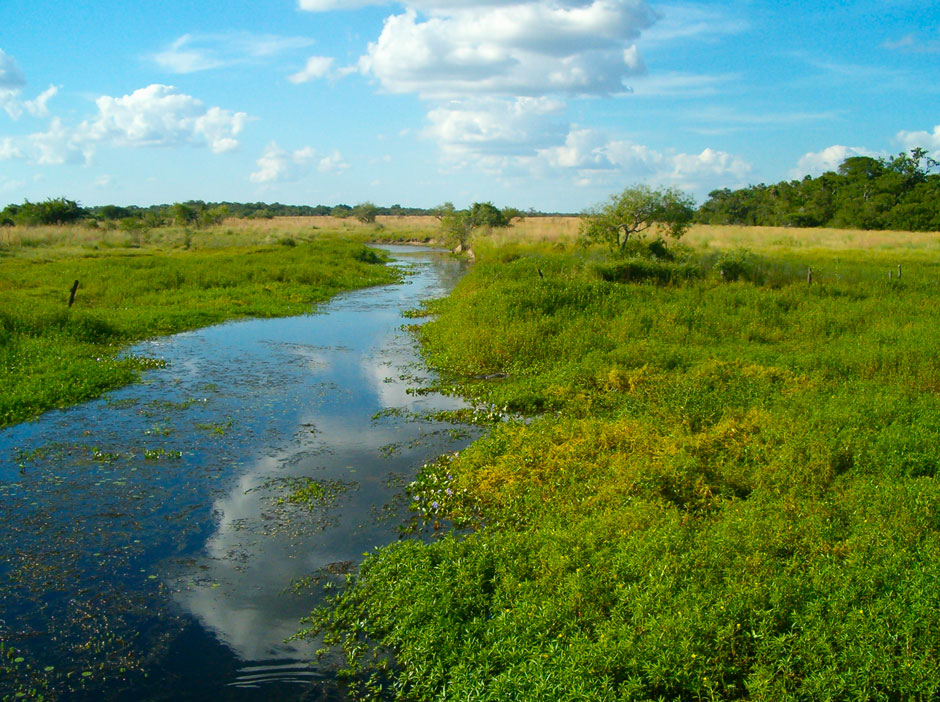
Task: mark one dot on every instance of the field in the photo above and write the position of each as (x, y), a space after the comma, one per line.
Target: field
(706, 478)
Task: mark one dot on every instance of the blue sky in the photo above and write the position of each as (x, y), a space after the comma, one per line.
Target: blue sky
(552, 105)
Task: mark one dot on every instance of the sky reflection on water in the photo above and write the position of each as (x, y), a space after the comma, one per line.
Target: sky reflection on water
(158, 513)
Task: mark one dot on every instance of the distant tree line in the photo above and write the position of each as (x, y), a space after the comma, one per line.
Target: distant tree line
(866, 193)
(898, 192)
(200, 213)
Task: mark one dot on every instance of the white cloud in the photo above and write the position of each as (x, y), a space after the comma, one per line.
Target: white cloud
(277, 165)
(9, 150)
(57, 145)
(316, 67)
(496, 76)
(191, 53)
(529, 48)
(334, 163)
(696, 168)
(12, 82)
(177, 58)
(157, 115)
(829, 159)
(592, 157)
(39, 106)
(924, 140)
(467, 128)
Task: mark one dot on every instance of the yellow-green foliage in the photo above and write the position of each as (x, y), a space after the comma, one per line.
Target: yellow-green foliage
(726, 490)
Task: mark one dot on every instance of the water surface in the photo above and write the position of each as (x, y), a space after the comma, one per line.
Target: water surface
(150, 539)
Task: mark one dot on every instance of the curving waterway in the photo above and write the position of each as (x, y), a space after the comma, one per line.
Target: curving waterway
(163, 542)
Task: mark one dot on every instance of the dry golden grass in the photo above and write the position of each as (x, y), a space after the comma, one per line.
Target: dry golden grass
(703, 236)
(561, 230)
(768, 239)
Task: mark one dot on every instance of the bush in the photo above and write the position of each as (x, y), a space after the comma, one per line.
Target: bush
(739, 264)
(633, 270)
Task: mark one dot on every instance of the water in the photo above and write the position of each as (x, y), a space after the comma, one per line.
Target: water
(149, 539)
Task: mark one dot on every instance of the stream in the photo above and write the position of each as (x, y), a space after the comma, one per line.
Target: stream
(164, 541)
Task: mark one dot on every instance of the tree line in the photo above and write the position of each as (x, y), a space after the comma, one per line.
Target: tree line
(897, 192)
(61, 210)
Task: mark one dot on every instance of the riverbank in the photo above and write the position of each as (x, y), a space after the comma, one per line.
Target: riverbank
(54, 353)
(727, 488)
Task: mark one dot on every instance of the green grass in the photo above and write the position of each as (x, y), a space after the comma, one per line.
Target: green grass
(728, 490)
(53, 356)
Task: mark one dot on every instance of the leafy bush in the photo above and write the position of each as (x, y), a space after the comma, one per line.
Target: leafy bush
(739, 264)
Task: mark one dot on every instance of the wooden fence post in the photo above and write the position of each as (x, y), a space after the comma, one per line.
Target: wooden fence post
(72, 295)
(809, 276)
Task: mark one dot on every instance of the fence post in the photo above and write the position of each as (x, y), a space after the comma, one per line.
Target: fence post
(72, 295)
(809, 276)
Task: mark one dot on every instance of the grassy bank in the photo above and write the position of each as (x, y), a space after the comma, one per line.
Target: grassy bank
(52, 355)
(728, 489)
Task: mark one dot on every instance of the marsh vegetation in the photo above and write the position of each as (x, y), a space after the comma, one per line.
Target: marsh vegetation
(707, 474)
(706, 478)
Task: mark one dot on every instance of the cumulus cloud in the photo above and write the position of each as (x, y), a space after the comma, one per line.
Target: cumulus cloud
(157, 115)
(497, 75)
(316, 67)
(277, 165)
(924, 140)
(595, 158)
(191, 53)
(467, 128)
(530, 48)
(829, 159)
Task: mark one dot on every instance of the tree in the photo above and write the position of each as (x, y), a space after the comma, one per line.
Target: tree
(51, 211)
(442, 211)
(486, 214)
(459, 224)
(636, 210)
(182, 214)
(366, 212)
(212, 215)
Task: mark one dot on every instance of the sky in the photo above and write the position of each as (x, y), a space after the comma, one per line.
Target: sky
(551, 105)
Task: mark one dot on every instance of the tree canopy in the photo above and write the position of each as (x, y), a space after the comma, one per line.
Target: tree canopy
(864, 193)
(636, 210)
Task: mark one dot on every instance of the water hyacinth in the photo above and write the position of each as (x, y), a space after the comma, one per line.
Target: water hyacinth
(435, 495)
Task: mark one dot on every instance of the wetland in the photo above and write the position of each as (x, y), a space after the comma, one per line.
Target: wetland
(164, 540)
